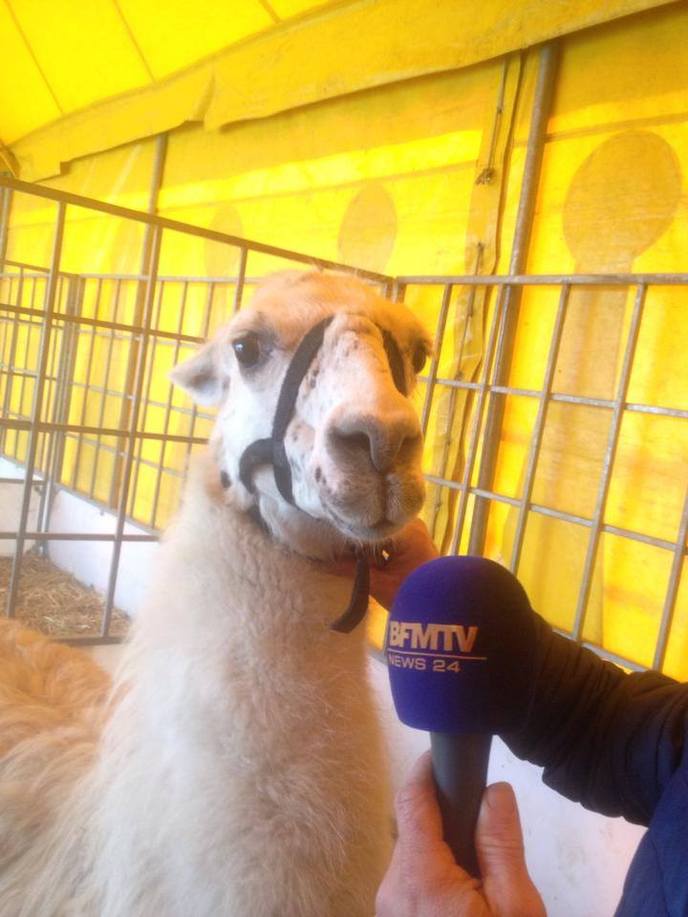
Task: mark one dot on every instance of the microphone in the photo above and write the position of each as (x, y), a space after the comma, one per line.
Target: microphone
(460, 647)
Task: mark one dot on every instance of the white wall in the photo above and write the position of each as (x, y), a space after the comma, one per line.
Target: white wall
(11, 496)
(88, 561)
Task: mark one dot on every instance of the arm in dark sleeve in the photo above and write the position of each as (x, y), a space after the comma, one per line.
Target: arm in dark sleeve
(605, 738)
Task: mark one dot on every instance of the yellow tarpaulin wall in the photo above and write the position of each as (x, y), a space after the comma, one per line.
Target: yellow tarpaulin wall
(385, 168)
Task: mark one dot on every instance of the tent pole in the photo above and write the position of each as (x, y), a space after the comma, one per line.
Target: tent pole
(117, 484)
(542, 104)
(4, 224)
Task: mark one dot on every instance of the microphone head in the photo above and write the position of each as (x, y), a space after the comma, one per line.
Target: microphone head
(460, 647)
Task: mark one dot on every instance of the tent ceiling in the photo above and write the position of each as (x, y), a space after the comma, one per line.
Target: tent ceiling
(78, 77)
(59, 57)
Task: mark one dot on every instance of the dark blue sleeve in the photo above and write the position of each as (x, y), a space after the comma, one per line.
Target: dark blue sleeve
(607, 739)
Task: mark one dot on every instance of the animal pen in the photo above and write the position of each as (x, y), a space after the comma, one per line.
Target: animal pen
(518, 185)
(88, 412)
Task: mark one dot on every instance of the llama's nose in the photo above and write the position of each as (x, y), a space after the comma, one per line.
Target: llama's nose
(384, 440)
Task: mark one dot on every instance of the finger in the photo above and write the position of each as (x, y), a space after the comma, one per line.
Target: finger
(424, 871)
(418, 815)
(501, 856)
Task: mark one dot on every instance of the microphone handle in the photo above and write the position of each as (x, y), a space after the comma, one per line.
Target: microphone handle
(459, 765)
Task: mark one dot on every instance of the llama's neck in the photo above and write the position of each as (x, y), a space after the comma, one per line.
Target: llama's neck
(237, 607)
(244, 711)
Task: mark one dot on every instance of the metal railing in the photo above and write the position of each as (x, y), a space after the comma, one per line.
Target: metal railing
(97, 320)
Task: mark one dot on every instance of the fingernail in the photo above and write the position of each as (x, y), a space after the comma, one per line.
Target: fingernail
(500, 796)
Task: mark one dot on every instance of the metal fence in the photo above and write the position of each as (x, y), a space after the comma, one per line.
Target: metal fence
(86, 407)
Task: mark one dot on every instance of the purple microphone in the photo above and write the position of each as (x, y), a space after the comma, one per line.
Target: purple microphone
(460, 648)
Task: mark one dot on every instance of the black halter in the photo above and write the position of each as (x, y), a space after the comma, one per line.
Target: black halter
(271, 451)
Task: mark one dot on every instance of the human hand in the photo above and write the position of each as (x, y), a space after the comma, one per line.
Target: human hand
(409, 549)
(423, 879)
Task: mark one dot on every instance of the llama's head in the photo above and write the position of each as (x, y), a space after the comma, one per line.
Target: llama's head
(352, 441)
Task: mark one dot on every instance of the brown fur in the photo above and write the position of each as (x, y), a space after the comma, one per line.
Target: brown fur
(51, 712)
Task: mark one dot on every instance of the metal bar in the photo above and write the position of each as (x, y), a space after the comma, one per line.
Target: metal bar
(403, 280)
(101, 323)
(36, 410)
(145, 462)
(555, 513)
(477, 424)
(655, 542)
(672, 590)
(7, 399)
(158, 172)
(168, 411)
(5, 224)
(25, 355)
(76, 536)
(195, 413)
(562, 398)
(6, 330)
(33, 267)
(398, 291)
(46, 426)
(99, 389)
(551, 280)
(450, 407)
(542, 103)
(538, 430)
(241, 278)
(84, 404)
(105, 391)
(160, 222)
(146, 397)
(435, 362)
(133, 421)
(100, 640)
(44, 449)
(62, 398)
(613, 657)
(139, 307)
(170, 338)
(32, 270)
(612, 443)
(603, 653)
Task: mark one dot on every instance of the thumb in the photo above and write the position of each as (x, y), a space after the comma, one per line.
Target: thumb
(501, 855)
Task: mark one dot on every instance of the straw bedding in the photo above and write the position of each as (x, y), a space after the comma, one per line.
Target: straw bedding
(54, 602)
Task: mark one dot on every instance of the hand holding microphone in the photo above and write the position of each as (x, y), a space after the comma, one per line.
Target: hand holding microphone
(460, 650)
(423, 879)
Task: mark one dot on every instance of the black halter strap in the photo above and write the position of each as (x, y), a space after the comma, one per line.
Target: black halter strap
(271, 451)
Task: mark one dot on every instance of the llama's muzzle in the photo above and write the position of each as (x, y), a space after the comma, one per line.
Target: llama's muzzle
(271, 450)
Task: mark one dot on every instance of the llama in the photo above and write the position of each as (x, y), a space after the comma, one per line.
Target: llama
(237, 768)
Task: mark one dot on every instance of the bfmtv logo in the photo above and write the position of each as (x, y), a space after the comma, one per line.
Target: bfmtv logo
(447, 638)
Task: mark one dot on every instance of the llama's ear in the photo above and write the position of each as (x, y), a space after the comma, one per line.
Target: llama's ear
(202, 375)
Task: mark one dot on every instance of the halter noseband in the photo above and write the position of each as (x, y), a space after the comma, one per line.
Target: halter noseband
(272, 451)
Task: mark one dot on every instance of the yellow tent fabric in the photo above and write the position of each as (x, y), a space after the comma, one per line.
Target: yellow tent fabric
(419, 172)
(79, 78)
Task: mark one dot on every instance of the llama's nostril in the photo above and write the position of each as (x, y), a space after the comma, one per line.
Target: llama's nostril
(379, 442)
(358, 442)
(348, 444)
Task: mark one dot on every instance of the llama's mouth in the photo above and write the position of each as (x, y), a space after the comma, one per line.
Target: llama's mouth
(372, 513)
(364, 532)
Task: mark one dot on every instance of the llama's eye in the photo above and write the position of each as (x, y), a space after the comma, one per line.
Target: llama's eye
(247, 349)
(419, 357)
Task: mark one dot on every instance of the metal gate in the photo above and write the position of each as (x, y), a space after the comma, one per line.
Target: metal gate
(117, 436)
